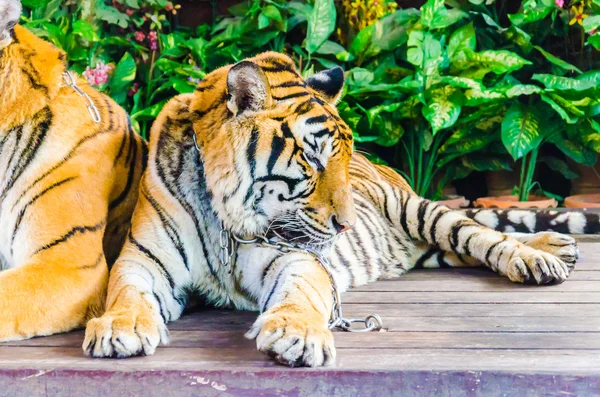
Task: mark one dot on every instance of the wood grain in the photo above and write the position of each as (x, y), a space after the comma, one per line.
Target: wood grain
(447, 331)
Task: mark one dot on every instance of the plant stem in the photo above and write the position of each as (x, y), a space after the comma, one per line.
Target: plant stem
(522, 178)
(150, 73)
(531, 171)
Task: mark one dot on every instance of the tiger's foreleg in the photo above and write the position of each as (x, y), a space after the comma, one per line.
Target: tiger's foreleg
(559, 245)
(295, 300)
(51, 292)
(146, 289)
(452, 231)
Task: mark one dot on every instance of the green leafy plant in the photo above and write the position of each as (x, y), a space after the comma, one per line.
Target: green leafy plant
(437, 93)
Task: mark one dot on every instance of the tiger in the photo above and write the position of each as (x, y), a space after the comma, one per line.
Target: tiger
(68, 187)
(257, 150)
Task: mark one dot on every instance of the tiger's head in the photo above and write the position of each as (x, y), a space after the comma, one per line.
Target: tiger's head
(278, 162)
(10, 11)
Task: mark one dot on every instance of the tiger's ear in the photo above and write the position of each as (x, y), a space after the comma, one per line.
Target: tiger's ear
(248, 88)
(329, 83)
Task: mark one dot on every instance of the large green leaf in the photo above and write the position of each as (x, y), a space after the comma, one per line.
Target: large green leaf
(591, 23)
(499, 62)
(460, 82)
(447, 18)
(519, 37)
(111, 15)
(442, 109)
(361, 44)
(122, 77)
(84, 30)
(560, 166)
(150, 112)
(522, 89)
(432, 12)
(462, 39)
(521, 130)
(391, 31)
(482, 162)
(536, 12)
(557, 61)
(563, 83)
(476, 97)
(575, 150)
(321, 23)
(566, 110)
(424, 50)
(409, 109)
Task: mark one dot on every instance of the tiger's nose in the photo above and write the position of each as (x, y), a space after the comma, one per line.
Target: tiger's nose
(340, 226)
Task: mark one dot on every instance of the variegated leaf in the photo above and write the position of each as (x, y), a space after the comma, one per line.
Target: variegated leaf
(560, 83)
(441, 111)
(520, 130)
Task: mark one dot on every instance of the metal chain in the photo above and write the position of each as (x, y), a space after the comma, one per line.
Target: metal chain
(92, 109)
(371, 322)
(227, 243)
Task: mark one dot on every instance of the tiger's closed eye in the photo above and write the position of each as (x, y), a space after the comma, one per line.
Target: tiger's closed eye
(313, 161)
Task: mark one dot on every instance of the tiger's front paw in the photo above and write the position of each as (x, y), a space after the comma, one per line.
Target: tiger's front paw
(294, 337)
(531, 266)
(560, 245)
(119, 334)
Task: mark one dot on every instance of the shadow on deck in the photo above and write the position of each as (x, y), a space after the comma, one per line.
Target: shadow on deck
(447, 332)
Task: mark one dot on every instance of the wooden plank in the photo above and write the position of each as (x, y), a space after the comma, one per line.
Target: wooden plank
(374, 340)
(493, 324)
(473, 310)
(480, 273)
(238, 360)
(243, 321)
(540, 295)
(332, 382)
(473, 284)
(301, 383)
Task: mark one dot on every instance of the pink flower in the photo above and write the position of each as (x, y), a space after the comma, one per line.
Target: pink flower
(129, 12)
(98, 75)
(153, 37)
(139, 36)
(559, 3)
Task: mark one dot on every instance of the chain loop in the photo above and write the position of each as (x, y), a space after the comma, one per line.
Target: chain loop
(227, 245)
(372, 322)
(92, 109)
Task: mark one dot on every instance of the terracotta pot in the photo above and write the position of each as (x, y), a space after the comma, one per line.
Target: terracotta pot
(501, 183)
(455, 202)
(513, 202)
(588, 181)
(583, 201)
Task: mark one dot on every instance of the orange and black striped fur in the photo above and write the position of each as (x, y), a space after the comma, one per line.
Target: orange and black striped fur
(275, 158)
(68, 187)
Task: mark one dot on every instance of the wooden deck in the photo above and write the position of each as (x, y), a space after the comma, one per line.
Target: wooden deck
(447, 332)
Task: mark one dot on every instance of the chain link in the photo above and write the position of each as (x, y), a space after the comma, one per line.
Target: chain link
(371, 323)
(92, 109)
(227, 245)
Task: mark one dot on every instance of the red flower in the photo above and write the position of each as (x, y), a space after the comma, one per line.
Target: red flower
(133, 90)
(139, 36)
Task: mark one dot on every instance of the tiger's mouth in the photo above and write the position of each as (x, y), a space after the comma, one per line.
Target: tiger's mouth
(298, 236)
